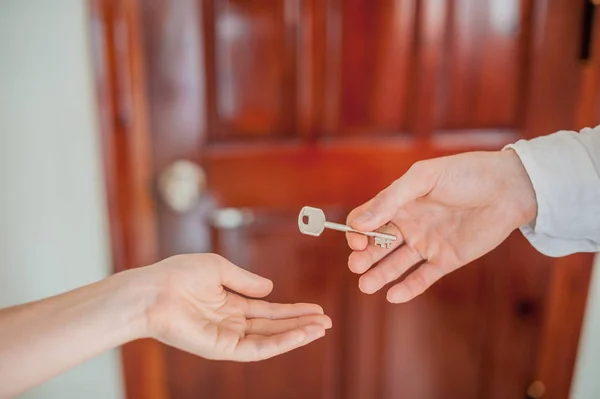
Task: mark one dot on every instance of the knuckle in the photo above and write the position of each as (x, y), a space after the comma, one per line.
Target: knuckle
(425, 170)
(370, 259)
(215, 258)
(418, 167)
(409, 289)
(418, 284)
(270, 309)
(380, 277)
(389, 273)
(252, 325)
(379, 199)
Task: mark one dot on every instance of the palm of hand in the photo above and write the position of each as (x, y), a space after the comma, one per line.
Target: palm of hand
(459, 212)
(197, 314)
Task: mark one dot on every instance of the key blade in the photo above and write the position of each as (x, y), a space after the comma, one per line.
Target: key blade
(348, 229)
(311, 221)
(339, 227)
(380, 235)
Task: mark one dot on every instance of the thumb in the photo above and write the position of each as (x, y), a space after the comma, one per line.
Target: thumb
(243, 281)
(417, 182)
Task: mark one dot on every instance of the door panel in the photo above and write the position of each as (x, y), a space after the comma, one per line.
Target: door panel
(472, 335)
(376, 42)
(485, 61)
(440, 337)
(252, 47)
(306, 102)
(516, 302)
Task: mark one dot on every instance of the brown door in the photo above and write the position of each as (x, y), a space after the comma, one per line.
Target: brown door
(286, 103)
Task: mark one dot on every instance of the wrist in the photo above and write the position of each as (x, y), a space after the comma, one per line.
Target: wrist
(136, 296)
(518, 189)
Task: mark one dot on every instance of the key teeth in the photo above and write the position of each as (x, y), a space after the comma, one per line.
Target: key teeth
(382, 243)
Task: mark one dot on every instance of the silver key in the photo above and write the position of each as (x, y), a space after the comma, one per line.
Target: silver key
(312, 222)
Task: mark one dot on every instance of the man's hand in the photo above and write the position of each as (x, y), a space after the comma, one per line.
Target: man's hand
(446, 212)
(194, 312)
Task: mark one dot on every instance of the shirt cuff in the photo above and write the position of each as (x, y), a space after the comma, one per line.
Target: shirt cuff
(567, 189)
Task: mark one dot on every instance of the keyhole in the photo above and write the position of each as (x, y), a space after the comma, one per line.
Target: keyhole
(305, 219)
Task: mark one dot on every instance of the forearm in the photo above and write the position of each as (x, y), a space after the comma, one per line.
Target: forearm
(41, 339)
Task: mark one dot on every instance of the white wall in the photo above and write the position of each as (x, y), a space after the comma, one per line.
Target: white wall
(53, 235)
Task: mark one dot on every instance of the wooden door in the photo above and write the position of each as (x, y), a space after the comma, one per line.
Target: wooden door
(289, 103)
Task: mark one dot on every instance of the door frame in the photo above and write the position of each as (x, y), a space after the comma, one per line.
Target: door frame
(117, 56)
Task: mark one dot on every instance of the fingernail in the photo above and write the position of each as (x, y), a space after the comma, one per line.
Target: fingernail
(363, 218)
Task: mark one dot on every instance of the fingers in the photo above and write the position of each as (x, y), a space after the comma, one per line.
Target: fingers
(415, 283)
(243, 281)
(268, 310)
(258, 347)
(416, 182)
(360, 261)
(389, 269)
(375, 213)
(263, 326)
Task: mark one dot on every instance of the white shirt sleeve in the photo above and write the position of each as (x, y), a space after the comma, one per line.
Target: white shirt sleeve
(564, 169)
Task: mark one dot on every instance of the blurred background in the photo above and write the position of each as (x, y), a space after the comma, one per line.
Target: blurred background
(131, 130)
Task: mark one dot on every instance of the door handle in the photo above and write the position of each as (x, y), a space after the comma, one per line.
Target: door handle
(181, 185)
(536, 390)
(231, 218)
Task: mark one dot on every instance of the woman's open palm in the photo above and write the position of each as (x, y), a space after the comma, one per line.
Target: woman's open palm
(197, 313)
